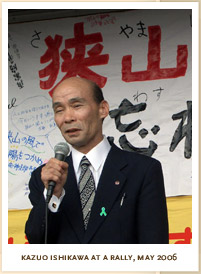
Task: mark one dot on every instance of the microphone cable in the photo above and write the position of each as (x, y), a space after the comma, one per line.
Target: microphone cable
(46, 221)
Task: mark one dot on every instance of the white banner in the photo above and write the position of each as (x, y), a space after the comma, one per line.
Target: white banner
(142, 59)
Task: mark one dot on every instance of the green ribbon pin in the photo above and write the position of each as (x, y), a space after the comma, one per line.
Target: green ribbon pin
(103, 212)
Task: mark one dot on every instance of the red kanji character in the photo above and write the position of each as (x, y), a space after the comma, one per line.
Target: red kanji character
(185, 237)
(26, 239)
(78, 65)
(52, 53)
(10, 240)
(154, 71)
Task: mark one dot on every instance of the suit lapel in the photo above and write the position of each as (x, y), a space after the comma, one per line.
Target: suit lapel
(71, 203)
(109, 187)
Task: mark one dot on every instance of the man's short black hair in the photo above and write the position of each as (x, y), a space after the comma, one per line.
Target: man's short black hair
(97, 93)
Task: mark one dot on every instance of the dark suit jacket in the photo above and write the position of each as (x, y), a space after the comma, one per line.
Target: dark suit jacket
(138, 218)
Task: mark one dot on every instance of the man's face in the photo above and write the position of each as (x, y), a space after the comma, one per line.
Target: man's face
(77, 115)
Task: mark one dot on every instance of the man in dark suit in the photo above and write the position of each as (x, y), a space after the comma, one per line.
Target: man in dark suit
(103, 195)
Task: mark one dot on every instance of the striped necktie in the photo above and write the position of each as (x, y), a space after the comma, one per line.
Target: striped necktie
(87, 189)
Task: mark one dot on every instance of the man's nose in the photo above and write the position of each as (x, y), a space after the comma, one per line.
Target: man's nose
(69, 115)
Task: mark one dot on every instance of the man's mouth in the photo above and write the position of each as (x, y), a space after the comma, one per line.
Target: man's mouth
(72, 130)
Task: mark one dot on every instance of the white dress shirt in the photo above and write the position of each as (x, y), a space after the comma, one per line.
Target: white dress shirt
(96, 157)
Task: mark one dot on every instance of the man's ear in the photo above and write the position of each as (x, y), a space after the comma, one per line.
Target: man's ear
(104, 109)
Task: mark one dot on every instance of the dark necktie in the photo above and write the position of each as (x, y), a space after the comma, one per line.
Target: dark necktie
(87, 189)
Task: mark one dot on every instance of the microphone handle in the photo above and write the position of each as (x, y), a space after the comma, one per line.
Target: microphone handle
(50, 190)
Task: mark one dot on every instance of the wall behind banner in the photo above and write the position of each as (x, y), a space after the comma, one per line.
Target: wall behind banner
(141, 59)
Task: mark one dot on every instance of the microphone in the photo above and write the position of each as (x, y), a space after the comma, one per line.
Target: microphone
(61, 150)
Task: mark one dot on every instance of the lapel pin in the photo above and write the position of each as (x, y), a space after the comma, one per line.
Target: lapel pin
(103, 212)
(117, 183)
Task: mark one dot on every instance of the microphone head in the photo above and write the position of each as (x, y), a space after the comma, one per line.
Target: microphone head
(62, 148)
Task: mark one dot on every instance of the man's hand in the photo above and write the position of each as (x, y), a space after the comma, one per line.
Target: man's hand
(56, 171)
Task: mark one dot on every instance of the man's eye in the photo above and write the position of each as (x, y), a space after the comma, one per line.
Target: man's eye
(58, 110)
(77, 105)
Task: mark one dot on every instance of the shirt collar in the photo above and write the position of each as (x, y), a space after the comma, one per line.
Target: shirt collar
(96, 156)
